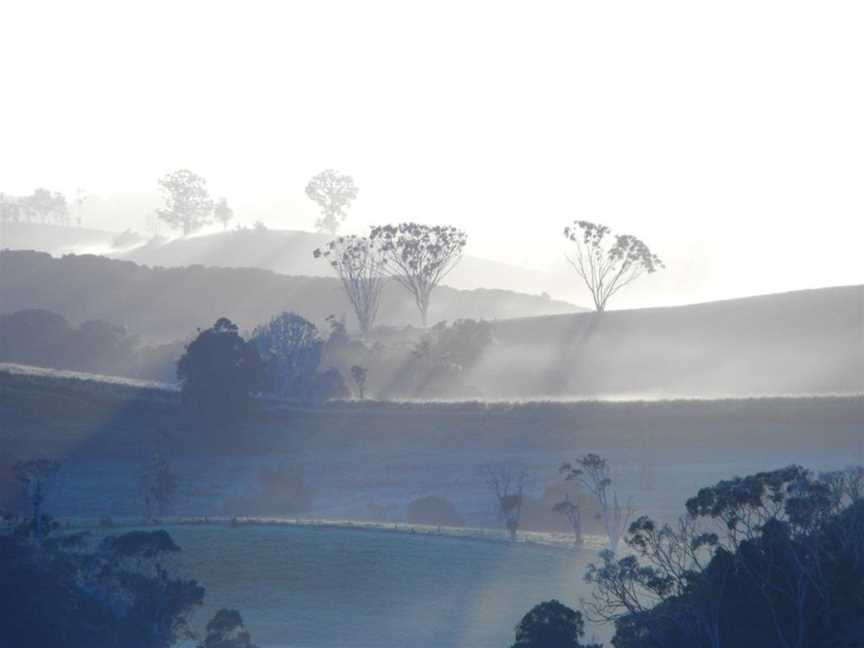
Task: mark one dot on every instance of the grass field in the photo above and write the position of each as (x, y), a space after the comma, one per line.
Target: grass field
(325, 587)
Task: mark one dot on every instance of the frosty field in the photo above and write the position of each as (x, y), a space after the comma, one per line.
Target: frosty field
(310, 587)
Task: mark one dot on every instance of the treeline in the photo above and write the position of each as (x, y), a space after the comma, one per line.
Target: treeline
(42, 338)
(42, 206)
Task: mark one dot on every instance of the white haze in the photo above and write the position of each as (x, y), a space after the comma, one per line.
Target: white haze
(727, 135)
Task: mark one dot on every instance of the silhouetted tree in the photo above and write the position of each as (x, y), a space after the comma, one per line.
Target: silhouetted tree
(158, 482)
(551, 625)
(573, 514)
(334, 193)
(327, 385)
(218, 373)
(223, 213)
(291, 348)
(592, 471)
(360, 266)
(187, 203)
(508, 485)
(34, 475)
(359, 375)
(226, 630)
(419, 257)
(608, 262)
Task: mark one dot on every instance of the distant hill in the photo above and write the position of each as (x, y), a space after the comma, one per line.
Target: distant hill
(164, 304)
(803, 342)
(286, 252)
(290, 252)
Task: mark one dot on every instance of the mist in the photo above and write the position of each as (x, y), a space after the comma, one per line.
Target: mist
(470, 325)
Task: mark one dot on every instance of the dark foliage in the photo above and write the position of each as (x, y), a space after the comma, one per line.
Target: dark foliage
(218, 374)
(118, 595)
(226, 630)
(772, 560)
(551, 625)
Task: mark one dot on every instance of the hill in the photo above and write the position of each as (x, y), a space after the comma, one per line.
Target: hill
(353, 455)
(287, 252)
(165, 304)
(803, 342)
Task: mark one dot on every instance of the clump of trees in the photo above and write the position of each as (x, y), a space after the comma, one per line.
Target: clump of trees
(218, 375)
(42, 206)
(607, 262)
(771, 560)
(291, 347)
(419, 257)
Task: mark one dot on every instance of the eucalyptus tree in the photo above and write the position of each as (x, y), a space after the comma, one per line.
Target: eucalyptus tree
(334, 192)
(419, 257)
(608, 262)
(359, 263)
(187, 202)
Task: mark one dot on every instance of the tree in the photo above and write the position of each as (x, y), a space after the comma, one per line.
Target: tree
(419, 257)
(551, 625)
(334, 193)
(360, 266)
(187, 203)
(608, 262)
(291, 348)
(573, 514)
(158, 483)
(771, 560)
(507, 485)
(218, 373)
(358, 376)
(223, 213)
(226, 630)
(592, 471)
(34, 475)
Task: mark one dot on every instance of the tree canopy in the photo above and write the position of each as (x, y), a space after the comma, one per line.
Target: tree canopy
(419, 256)
(608, 262)
(333, 192)
(188, 206)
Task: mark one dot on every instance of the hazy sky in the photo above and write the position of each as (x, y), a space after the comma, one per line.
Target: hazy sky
(728, 135)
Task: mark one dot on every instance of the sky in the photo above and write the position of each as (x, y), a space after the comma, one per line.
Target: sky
(728, 136)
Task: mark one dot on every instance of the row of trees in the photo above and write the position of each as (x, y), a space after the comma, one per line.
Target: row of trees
(42, 206)
(417, 256)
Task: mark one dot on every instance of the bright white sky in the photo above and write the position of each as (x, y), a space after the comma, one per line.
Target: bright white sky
(728, 135)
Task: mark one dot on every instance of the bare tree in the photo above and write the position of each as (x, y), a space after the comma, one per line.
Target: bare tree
(573, 513)
(187, 202)
(334, 193)
(359, 263)
(35, 475)
(420, 256)
(592, 471)
(508, 485)
(608, 262)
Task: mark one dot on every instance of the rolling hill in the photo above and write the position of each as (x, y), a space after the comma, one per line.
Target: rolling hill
(165, 304)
